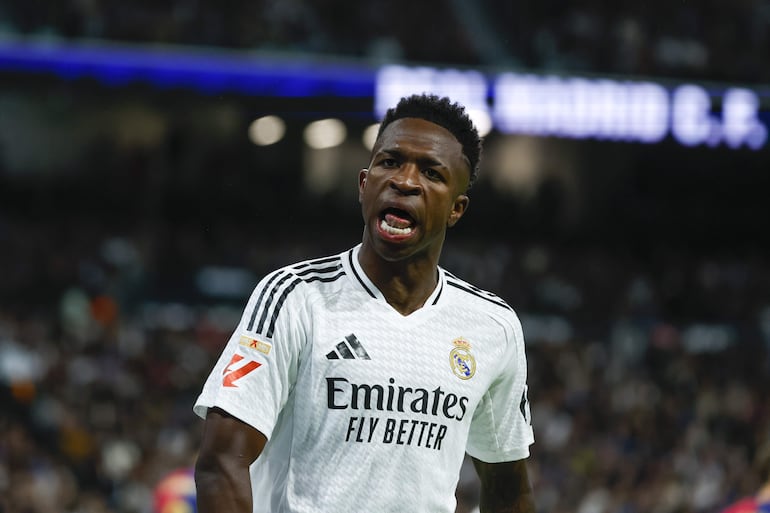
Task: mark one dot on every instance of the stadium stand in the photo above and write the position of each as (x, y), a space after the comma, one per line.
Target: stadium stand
(649, 358)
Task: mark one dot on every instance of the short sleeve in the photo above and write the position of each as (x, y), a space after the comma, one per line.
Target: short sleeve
(255, 373)
(501, 428)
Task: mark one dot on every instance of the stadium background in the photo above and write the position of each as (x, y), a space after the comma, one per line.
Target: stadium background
(135, 216)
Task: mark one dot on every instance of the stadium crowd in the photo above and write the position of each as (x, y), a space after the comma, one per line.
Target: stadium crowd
(649, 370)
(694, 40)
(648, 374)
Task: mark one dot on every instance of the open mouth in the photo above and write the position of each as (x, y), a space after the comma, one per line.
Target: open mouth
(396, 222)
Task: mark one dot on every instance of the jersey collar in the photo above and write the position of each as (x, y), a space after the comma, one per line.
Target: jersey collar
(358, 275)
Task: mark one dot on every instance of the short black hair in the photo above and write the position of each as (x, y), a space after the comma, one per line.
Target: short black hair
(445, 113)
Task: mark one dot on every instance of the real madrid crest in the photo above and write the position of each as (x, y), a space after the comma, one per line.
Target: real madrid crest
(461, 360)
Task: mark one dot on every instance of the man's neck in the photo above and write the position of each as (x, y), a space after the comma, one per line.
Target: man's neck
(406, 284)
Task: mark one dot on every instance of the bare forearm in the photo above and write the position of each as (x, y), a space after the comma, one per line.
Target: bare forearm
(523, 503)
(505, 487)
(222, 490)
(228, 449)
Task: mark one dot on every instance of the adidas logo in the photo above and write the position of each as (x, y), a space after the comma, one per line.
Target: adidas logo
(348, 349)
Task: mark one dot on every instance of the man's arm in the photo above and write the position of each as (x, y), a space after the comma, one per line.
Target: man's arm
(222, 479)
(505, 487)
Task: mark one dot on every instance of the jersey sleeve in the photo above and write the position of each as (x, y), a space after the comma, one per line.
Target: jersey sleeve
(255, 373)
(501, 428)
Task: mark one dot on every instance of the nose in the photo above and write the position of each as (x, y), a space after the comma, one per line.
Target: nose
(407, 179)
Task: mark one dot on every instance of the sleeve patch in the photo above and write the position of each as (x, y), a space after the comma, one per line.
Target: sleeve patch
(237, 369)
(253, 343)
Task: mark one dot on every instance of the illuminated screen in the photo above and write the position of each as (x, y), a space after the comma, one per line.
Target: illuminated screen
(602, 108)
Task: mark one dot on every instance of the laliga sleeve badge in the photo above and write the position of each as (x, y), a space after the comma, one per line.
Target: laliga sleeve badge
(461, 360)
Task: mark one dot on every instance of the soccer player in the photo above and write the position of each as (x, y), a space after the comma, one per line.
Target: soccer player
(357, 382)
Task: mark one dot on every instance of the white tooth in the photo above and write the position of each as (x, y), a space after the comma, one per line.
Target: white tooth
(393, 230)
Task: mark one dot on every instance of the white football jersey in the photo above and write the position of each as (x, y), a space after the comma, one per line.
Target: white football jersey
(366, 409)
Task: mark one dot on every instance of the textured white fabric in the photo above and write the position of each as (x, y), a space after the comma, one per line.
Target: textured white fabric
(366, 409)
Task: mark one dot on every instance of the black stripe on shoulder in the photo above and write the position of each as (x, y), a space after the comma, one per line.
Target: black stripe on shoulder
(270, 298)
(325, 279)
(478, 293)
(262, 297)
(355, 273)
(278, 305)
(470, 286)
(317, 261)
(319, 270)
(323, 274)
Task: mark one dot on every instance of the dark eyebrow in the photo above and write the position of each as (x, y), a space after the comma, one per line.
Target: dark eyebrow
(423, 162)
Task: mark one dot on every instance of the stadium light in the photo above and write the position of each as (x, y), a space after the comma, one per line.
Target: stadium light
(325, 133)
(370, 135)
(267, 130)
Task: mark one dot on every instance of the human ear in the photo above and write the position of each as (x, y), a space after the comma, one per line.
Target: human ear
(459, 207)
(361, 183)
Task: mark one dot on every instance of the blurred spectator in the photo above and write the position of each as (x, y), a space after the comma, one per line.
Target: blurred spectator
(650, 368)
(637, 406)
(758, 502)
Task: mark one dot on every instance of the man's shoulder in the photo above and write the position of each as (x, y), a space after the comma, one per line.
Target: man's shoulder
(310, 270)
(478, 298)
(311, 276)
